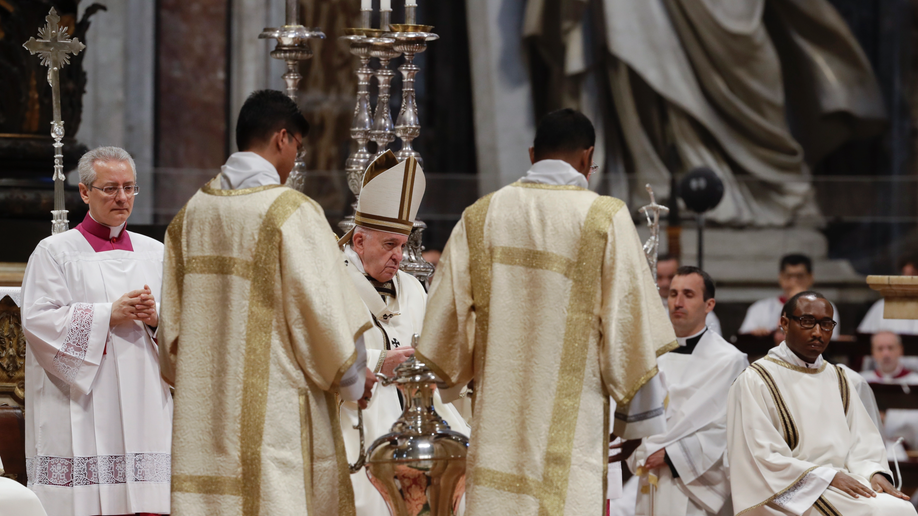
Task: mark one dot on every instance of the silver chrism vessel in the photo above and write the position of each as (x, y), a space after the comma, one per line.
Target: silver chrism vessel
(419, 466)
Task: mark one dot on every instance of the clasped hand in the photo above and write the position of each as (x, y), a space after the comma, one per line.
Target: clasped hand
(136, 305)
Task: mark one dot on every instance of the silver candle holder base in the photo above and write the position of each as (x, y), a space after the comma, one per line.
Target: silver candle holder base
(293, 48)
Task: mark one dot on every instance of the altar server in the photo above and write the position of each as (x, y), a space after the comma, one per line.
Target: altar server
(259, 327)
(544, 297)
(98, 415)
(798, 441)
(795, 275)
(395, 301)
(667, 265)
(688, 462)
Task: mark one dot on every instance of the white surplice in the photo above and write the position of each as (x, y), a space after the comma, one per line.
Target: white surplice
(791, 426)
(98, 415)
(766, 313)
(874, 322)
(698, 381)
(395, 321)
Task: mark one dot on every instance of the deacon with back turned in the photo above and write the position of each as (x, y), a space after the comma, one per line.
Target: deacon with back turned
(259, 323)
(543, 297)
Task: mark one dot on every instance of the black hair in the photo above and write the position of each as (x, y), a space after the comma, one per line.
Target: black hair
(685, 270)
(797, 259)
(264, 113)
(562, 131)
(791, 303)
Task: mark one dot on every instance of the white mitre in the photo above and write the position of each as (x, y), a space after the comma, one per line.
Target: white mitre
(390, 196)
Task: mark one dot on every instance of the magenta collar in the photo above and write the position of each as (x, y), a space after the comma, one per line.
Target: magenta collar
(97, 236)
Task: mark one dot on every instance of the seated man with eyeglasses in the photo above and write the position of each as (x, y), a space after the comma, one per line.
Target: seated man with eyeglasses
(98, 414)
(798, 441)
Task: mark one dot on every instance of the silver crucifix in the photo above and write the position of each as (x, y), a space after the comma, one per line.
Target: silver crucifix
(653, 211)
(54, 49)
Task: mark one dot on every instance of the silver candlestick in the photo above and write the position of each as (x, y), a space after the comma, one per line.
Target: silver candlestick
(383, 132)
(410, 40)
(54, 49)
(362, 123)
(293, 47)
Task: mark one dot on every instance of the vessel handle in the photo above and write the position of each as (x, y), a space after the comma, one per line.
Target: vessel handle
(362, 456)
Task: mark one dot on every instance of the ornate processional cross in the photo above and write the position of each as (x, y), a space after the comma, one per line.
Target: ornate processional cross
(54, 49)
(653, 211)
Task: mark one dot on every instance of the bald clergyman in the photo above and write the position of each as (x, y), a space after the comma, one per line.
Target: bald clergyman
(799, 440)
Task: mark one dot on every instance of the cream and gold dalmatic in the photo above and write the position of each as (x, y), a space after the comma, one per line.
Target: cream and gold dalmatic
(550, 313)
(258, 324)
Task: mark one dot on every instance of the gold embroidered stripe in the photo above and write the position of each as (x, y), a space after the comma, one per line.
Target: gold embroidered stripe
(805, 370)
(507, 482)
(480, 278)
(207, 485)
(258, 344)
(532, 259)
(174, 240)
(791, 437)
(404, 207)
(824, 507)
(210, 190)
(542, 186)
(575, 349)
(843, 387)
(346, 504)
(225, 265)
(306, 449)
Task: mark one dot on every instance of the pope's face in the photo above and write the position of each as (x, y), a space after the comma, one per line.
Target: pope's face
(380, 252)
(808, 344)
(110, 210)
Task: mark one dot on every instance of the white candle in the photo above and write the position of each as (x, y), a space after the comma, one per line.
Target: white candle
(366, 5)
(385, 5)
(411, 3)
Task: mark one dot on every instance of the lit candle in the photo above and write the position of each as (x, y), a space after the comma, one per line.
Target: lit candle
(385, 5)
(411, 3)
(366, 5)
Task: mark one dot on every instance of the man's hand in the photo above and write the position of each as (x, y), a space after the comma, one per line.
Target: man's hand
(146, 308)
(655, 460)
(848, 485)
(881, 485)
(394, 358)
(124, 309)
(369, 382)
(627, 448)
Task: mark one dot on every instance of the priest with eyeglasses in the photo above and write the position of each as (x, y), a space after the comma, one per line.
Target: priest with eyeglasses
(98, 414)
(798, 441)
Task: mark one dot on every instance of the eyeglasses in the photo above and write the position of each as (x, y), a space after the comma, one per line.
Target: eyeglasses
(112, 191)
(808, 322)
(299, 143)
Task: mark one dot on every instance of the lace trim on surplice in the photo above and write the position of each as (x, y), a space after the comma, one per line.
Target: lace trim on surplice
(69, 358)
(99, 470)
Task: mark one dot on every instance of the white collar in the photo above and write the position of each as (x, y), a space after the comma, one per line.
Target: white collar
(113, 231)
(354, 258)
(554, 172)
(891, 376)
(247, 170)
(683, 340)
(784, 353)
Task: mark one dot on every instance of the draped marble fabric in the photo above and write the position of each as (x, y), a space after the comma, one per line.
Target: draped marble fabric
(704, 83)
(259, 321)
(544, 297)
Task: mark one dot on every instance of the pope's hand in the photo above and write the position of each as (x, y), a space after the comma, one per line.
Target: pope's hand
(125, 308)
(367, 388)
(852, 487)
(655, 460)
(394, 358)
(146, 308)
(881, 485)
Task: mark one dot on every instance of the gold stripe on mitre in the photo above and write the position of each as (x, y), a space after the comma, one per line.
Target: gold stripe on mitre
(404, 207)
(380, 223)
(379, 165)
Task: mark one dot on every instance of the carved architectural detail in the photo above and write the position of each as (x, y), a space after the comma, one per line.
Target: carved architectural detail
(12, 351)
